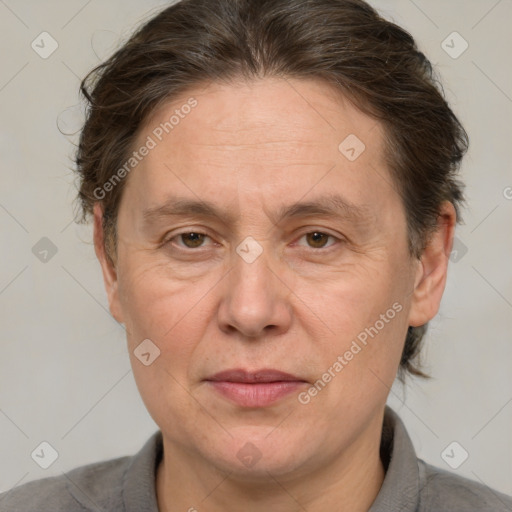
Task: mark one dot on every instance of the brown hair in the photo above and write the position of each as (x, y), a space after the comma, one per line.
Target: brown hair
(345, 43)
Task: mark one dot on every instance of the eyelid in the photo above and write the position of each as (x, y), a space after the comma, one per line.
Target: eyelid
(324, 232)
(169, 239)
(201, 231)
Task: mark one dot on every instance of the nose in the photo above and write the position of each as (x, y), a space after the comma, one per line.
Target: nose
(255, 299)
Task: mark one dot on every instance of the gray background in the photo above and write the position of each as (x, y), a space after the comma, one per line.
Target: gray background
(65, 376)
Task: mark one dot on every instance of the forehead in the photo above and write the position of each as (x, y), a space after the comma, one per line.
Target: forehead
(237, 112)
(274, 135)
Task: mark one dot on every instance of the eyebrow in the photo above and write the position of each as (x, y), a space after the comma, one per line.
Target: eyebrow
(330, 205)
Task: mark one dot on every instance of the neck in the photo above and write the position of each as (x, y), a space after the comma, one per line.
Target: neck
(348, 482)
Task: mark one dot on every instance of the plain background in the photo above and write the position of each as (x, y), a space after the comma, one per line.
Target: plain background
(64, 371)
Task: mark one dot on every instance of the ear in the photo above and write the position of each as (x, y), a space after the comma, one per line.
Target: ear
(432, 269)
(108, 270)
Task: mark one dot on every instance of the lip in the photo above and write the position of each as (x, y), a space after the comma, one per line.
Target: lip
(257, 376)
(255, 389)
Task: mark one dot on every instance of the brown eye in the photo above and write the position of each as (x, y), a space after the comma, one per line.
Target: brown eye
(192, 239)
(317, 239)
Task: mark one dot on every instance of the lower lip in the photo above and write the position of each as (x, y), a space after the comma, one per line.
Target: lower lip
(256, 395)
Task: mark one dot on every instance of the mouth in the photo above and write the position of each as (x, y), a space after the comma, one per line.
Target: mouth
(255, 389)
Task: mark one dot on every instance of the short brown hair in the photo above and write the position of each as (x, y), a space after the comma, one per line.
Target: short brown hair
(345, 43)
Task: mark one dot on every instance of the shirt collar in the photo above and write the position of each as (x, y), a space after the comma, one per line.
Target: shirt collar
(399, 491)
(139, 485)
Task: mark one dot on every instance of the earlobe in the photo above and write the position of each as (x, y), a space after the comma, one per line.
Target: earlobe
(430, 279)
(108, 270)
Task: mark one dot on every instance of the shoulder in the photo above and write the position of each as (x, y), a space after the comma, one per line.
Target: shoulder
(96, 486)
(442, 490)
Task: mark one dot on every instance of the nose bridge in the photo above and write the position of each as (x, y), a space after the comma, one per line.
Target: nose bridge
(253, 300)
(251, 276)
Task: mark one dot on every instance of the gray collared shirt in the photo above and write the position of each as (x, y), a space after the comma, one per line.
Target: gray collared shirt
(127, 484)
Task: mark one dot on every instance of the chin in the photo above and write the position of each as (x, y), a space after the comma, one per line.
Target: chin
(256, 453)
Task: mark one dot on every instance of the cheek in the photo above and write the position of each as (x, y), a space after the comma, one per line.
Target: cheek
(159, 310)
(366, 316)
(156, 303)
(170, 313)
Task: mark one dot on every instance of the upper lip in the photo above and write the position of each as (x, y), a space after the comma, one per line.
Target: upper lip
(263, 375)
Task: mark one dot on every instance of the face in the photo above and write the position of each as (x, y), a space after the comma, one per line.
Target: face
(294, 258)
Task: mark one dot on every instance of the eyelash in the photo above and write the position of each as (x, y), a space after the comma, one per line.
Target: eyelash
(198, 249)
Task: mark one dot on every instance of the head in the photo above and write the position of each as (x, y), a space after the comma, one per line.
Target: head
(249, 110)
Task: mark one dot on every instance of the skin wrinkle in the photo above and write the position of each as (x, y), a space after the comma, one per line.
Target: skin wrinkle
(358, 220)
(291, 309)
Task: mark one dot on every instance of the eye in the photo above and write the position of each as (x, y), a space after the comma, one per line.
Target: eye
(317, 239)
(190, 239)
(195, 239)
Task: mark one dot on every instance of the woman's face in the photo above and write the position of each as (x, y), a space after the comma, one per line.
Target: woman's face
(261, 230)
